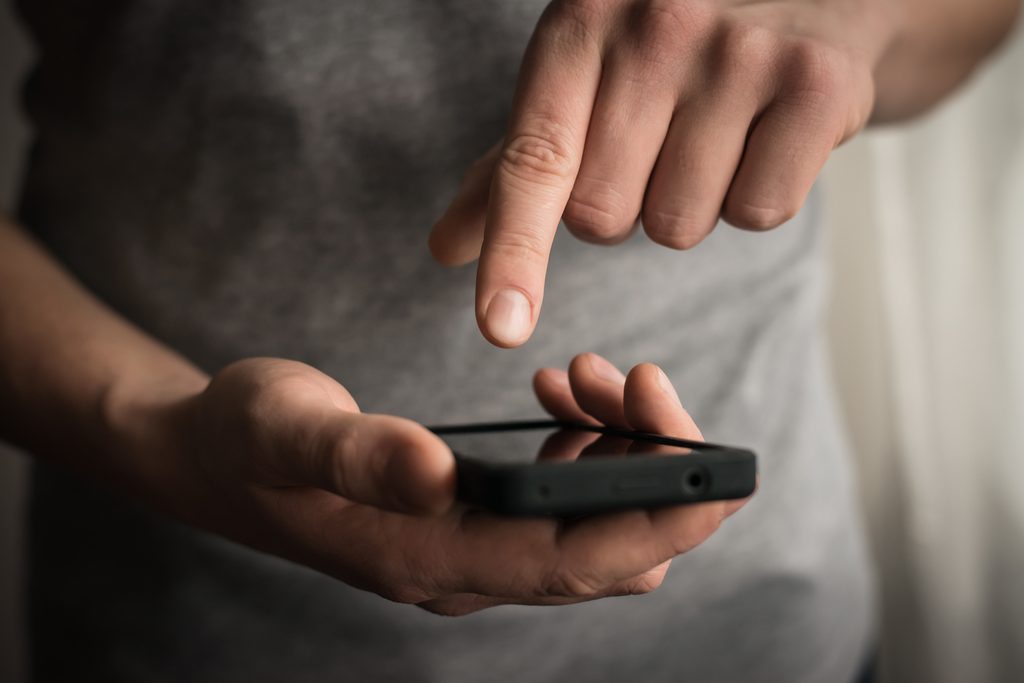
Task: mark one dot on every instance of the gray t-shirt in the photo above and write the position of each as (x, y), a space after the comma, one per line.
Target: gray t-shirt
(259, 177)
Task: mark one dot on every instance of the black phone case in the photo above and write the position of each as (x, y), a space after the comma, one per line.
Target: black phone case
(597, 484)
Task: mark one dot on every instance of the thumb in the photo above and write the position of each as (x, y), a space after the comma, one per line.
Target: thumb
(381, 460)
(458, 235)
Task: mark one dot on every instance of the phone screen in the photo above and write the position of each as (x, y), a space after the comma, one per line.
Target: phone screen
(546, 443)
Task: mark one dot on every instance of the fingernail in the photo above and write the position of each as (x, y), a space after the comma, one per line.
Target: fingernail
(508, 317)
(605, 370)
(666, 386)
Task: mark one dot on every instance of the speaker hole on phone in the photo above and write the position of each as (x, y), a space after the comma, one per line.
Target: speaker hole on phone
(543, 491)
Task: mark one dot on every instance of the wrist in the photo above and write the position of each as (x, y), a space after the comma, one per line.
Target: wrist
(143, 434)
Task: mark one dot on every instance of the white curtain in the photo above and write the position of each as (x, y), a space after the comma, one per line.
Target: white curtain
(927, 328)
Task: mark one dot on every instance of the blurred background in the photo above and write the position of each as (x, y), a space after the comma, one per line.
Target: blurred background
(926, 226)
(926, 324)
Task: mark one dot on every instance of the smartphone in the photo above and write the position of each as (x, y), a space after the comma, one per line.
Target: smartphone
(565, 469)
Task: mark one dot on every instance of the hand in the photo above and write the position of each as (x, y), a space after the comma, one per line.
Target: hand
(276, 455)
(675, 112)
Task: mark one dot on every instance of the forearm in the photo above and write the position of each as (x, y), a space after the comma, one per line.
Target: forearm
(935, 46)
(74, 376)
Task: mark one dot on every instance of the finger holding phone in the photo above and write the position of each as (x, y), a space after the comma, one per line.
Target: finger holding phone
(616, 553)
(280, 458)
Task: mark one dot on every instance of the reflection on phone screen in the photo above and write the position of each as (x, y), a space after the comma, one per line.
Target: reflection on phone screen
(528, 445)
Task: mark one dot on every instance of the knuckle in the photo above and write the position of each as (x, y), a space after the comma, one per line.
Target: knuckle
(543, 154)
(525, 244)
(598, 215)
(257, 396)
(577, 13)
(665, 31)
(256, 406)
(669, 21)
(342, 469)
(346, 443)
(569, 25)
(813, 70)
(676, 229)
(747, 49)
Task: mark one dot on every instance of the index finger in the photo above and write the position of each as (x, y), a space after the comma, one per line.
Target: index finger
(535, 173)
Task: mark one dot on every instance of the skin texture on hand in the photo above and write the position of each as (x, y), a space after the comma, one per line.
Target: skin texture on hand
(676, 113)
(278, 456)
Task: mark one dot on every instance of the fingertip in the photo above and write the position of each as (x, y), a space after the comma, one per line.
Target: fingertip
(555, 395)
(550, 378)
(578, 364)
(643, 372)
(507, 319)
(652, 404)
(590, 364)
(437, 471)
(596, 385)
(437, 247)
(457, 236)
(648, 377)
